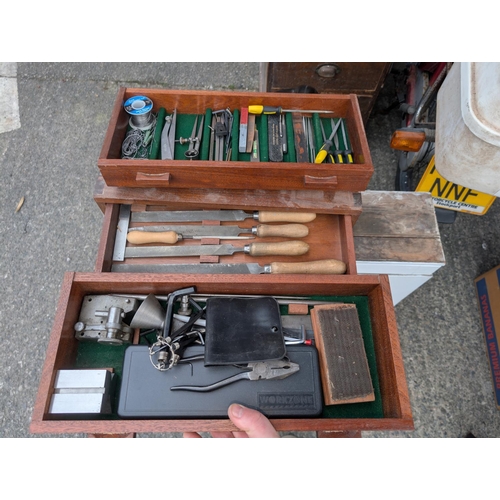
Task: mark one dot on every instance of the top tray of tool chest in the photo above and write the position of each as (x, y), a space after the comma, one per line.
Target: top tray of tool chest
(239, 172)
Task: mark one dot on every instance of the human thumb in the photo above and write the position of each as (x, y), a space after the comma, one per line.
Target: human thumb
(254, 423)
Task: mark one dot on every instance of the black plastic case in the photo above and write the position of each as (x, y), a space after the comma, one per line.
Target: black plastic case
(145, 391)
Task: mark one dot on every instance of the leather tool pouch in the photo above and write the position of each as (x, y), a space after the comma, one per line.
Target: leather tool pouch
(243, 330)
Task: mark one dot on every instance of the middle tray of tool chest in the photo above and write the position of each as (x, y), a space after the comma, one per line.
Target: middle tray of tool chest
(329, 238)
(237, 171)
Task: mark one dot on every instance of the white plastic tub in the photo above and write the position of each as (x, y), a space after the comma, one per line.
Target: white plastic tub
(468, 127)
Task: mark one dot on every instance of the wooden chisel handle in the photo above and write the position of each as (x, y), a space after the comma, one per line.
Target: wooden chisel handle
(282, 248)
(302, 217)
(141, 237)
(329, 266)
(283, 231)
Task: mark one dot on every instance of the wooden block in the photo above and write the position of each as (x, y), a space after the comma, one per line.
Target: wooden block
(298, 309)
(398, 227)
(209, 241)
(345, 373)
(209, 259)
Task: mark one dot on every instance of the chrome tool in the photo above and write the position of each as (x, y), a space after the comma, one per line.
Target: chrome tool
(262, 370)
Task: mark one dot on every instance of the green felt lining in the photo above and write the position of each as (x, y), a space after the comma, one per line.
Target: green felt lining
(235, 132)
(205, 140)
(290, 155)
(184, 128)
(155, 151)
(318, 134)
(263, 146)
(95, 355)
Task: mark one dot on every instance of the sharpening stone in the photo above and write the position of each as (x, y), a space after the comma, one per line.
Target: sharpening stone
(345, 373)
(275, 142)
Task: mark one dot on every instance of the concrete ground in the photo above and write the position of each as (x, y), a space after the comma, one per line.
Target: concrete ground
(48, 157)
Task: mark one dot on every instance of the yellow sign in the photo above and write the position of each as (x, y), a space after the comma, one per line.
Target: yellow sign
(451, 196)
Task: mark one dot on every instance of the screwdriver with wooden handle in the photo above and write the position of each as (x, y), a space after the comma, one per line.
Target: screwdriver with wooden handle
(172, 235)
(258, 109)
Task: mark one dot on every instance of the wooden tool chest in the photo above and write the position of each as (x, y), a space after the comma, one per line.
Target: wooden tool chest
(330, 237)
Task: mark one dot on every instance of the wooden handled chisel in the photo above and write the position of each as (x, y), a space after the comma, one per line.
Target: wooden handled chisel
(220, 215)
(329, 266)
(254, 249)
(173, 234)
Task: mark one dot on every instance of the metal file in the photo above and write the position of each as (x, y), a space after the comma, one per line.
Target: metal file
(282, 248)
(220, 215)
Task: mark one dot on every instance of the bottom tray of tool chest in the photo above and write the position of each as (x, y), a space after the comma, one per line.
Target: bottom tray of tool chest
(390, 410)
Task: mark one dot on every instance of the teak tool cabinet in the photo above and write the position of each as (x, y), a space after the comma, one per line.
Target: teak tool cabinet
(184, 173)
(331, 236)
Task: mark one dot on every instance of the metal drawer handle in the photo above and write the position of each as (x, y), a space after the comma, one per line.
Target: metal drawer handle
(328, 70)
(153, 180)
(309, 180)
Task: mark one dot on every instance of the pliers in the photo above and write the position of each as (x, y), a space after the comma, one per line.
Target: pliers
(262, 370)
(168, 137)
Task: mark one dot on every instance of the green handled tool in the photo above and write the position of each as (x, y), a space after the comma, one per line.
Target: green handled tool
(325, 149)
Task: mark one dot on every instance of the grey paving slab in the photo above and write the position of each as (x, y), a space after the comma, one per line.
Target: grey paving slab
(9, 101)
(193, 75)
(51, 162)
